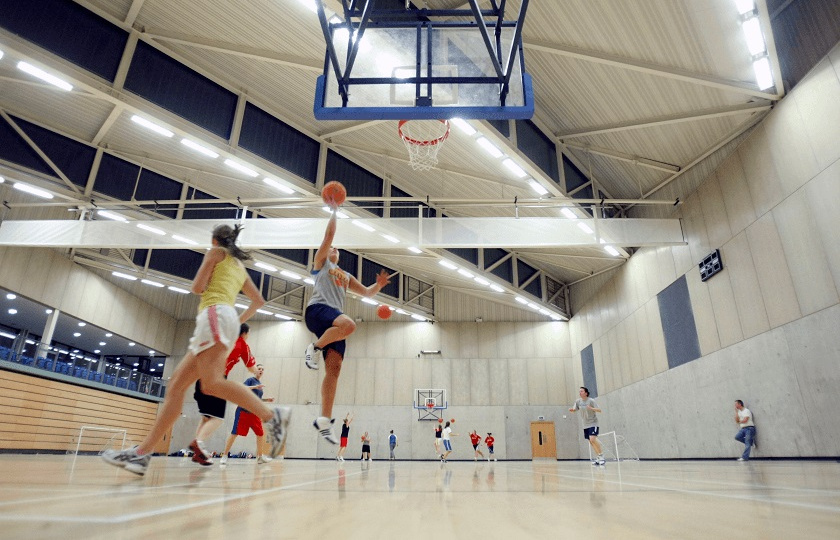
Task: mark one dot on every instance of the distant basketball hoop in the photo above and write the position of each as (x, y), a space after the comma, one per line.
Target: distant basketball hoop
(430, 403)
(423, 139)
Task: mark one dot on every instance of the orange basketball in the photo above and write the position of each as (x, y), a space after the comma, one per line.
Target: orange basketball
(440, 420)
(451, 420)
(383, 311)
(334, 193)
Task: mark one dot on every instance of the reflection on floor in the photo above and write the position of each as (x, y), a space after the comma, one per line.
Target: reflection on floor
(53, 496)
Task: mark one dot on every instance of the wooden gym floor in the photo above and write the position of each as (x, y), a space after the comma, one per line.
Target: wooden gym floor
(50, 496)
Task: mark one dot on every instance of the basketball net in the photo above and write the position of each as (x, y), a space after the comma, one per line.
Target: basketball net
(423, 139)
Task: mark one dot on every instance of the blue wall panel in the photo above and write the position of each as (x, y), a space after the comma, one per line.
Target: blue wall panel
(358, 181)
(72, 158)
(177, 262)
(300, 256)
(156, 187)
(524, 271)
(539, 148)
(587, 364)
(116, 177)
(574, 176)
(170, 84)
(279, 143)
(15, 149)
(681, 341)
(369, 271)
(502, 126)
(505, 269)
(68, 30)
(211, 210)
(408, 209)
(349, 262)
(468, 254)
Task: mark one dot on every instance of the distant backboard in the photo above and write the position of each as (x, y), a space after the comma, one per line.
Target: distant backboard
(423, 64)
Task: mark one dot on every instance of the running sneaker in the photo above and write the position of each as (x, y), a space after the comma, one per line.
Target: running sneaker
(262, 460)
(128, 459)
(312, 356)
(277, 429)
(223, 460)
(200, 454)
(324, 426)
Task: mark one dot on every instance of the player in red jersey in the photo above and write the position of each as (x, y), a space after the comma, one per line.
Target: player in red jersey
(475, 438)
(490, 441)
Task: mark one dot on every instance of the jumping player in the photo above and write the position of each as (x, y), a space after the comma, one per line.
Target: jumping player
(438, 433)
(325, 318)
(345, 434)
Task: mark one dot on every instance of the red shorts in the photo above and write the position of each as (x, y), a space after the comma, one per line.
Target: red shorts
(344, 442)
(244, 421)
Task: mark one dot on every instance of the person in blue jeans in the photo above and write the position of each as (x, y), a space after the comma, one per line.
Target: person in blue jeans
(392, 442)
(746, 435)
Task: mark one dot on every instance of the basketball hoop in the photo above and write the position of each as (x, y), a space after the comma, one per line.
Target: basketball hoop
(430, 403)
(423, 139)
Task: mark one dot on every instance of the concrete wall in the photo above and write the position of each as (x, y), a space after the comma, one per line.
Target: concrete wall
(498, 376)
(766, 325)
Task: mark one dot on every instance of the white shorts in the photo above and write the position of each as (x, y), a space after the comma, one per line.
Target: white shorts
(215, 324)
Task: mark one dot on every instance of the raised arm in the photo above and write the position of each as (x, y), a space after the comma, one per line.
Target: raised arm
(257, 301)
(358, 288)
(324, 250)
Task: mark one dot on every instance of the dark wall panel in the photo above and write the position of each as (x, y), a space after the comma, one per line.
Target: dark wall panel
(681, 341)
(72, 158)
(349, 262)
(539, 148)
(13, 148)
(212, 210)
(116, 177)
(505, 269)
(156, 187)
(68, 30)
(358, 181)
(408, 209)
(300, 256)
(502, 126)
(177, 262)
(574, 176)
(468, 254)
(279, 143)
(170, 84)
(587, 363)
(369, 271)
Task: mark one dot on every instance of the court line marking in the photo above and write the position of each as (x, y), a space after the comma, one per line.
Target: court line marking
(835, 509)
(162, 511)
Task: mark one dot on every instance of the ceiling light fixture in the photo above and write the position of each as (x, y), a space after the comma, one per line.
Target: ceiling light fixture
(178, 290)
(463, 125)
(489, 147)
(12, 311)
(415, 249)
(496, 288)
(585, 228)
(44, 76)
(755, 39)
(284, 317)
(744, 6)
(763, 73)
(263, 312)
(611, 250)
(369, 301)
(152, 283)
(339, 214)
(290, 275)
(466, 273)
(277, 185)
(265, 266)
(111, 215)
(568, 213)
(148, 124)
(447, 264)
(241, 168)
(124, 276)
(32, 190)
(363, 225)
(184, 240)
(514, 168)
(390, 238)
(418, 317)
(199, 148)
(536, 186)
(11, 296)
(309, 281)
(151, 229)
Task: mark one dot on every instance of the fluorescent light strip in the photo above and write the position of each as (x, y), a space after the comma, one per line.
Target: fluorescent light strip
(277, 185)
(284, 317)
(288, 274)
(611, 250)
(536, 186)
(763, 73)
(265, 266)
(466, 273)
(402, 312)
(481, 281)
(390, 238)
(447, 264)
(533, 306)
(124, 276)
(521, 300)
(241, 168)
(264, 312)
(199, 148)
(415, 249)
(568, 213)
(369, 301)
(44, 76)
(489, 147)
(418, 317)
(32, 190)
(111, 215)
(148, 124)
(755, 39)
(151, 229)
(496, 288)
(744, 6)
(1, 54)
(7, 335)
(178, 290)
(339, 214)
(514, 168)
(309, 281)
(152, 283)
(363, 225)
(585, 228)
(463, 125)
(240, 306)
(184, 240)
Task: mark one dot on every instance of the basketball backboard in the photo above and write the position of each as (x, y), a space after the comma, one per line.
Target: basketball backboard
(410, 64)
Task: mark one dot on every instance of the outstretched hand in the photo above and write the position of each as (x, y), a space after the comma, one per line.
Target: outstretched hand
(382, 279)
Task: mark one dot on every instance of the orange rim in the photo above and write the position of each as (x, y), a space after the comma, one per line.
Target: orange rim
(432, 142)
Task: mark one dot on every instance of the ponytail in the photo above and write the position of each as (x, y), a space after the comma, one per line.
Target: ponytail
(226, 237)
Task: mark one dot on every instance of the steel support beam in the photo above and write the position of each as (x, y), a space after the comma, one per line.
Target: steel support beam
(627, 158)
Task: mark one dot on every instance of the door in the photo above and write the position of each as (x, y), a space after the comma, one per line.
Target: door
(543, 444)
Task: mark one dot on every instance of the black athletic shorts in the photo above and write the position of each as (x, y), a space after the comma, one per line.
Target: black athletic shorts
(209, 405)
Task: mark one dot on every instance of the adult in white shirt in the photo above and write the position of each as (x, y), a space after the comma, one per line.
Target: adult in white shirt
(746, 435)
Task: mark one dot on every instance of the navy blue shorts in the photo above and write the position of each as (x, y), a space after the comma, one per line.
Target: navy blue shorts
(590, 431)
(319, 318)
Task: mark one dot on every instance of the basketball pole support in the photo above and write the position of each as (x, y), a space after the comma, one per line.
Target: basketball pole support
(97, 428)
